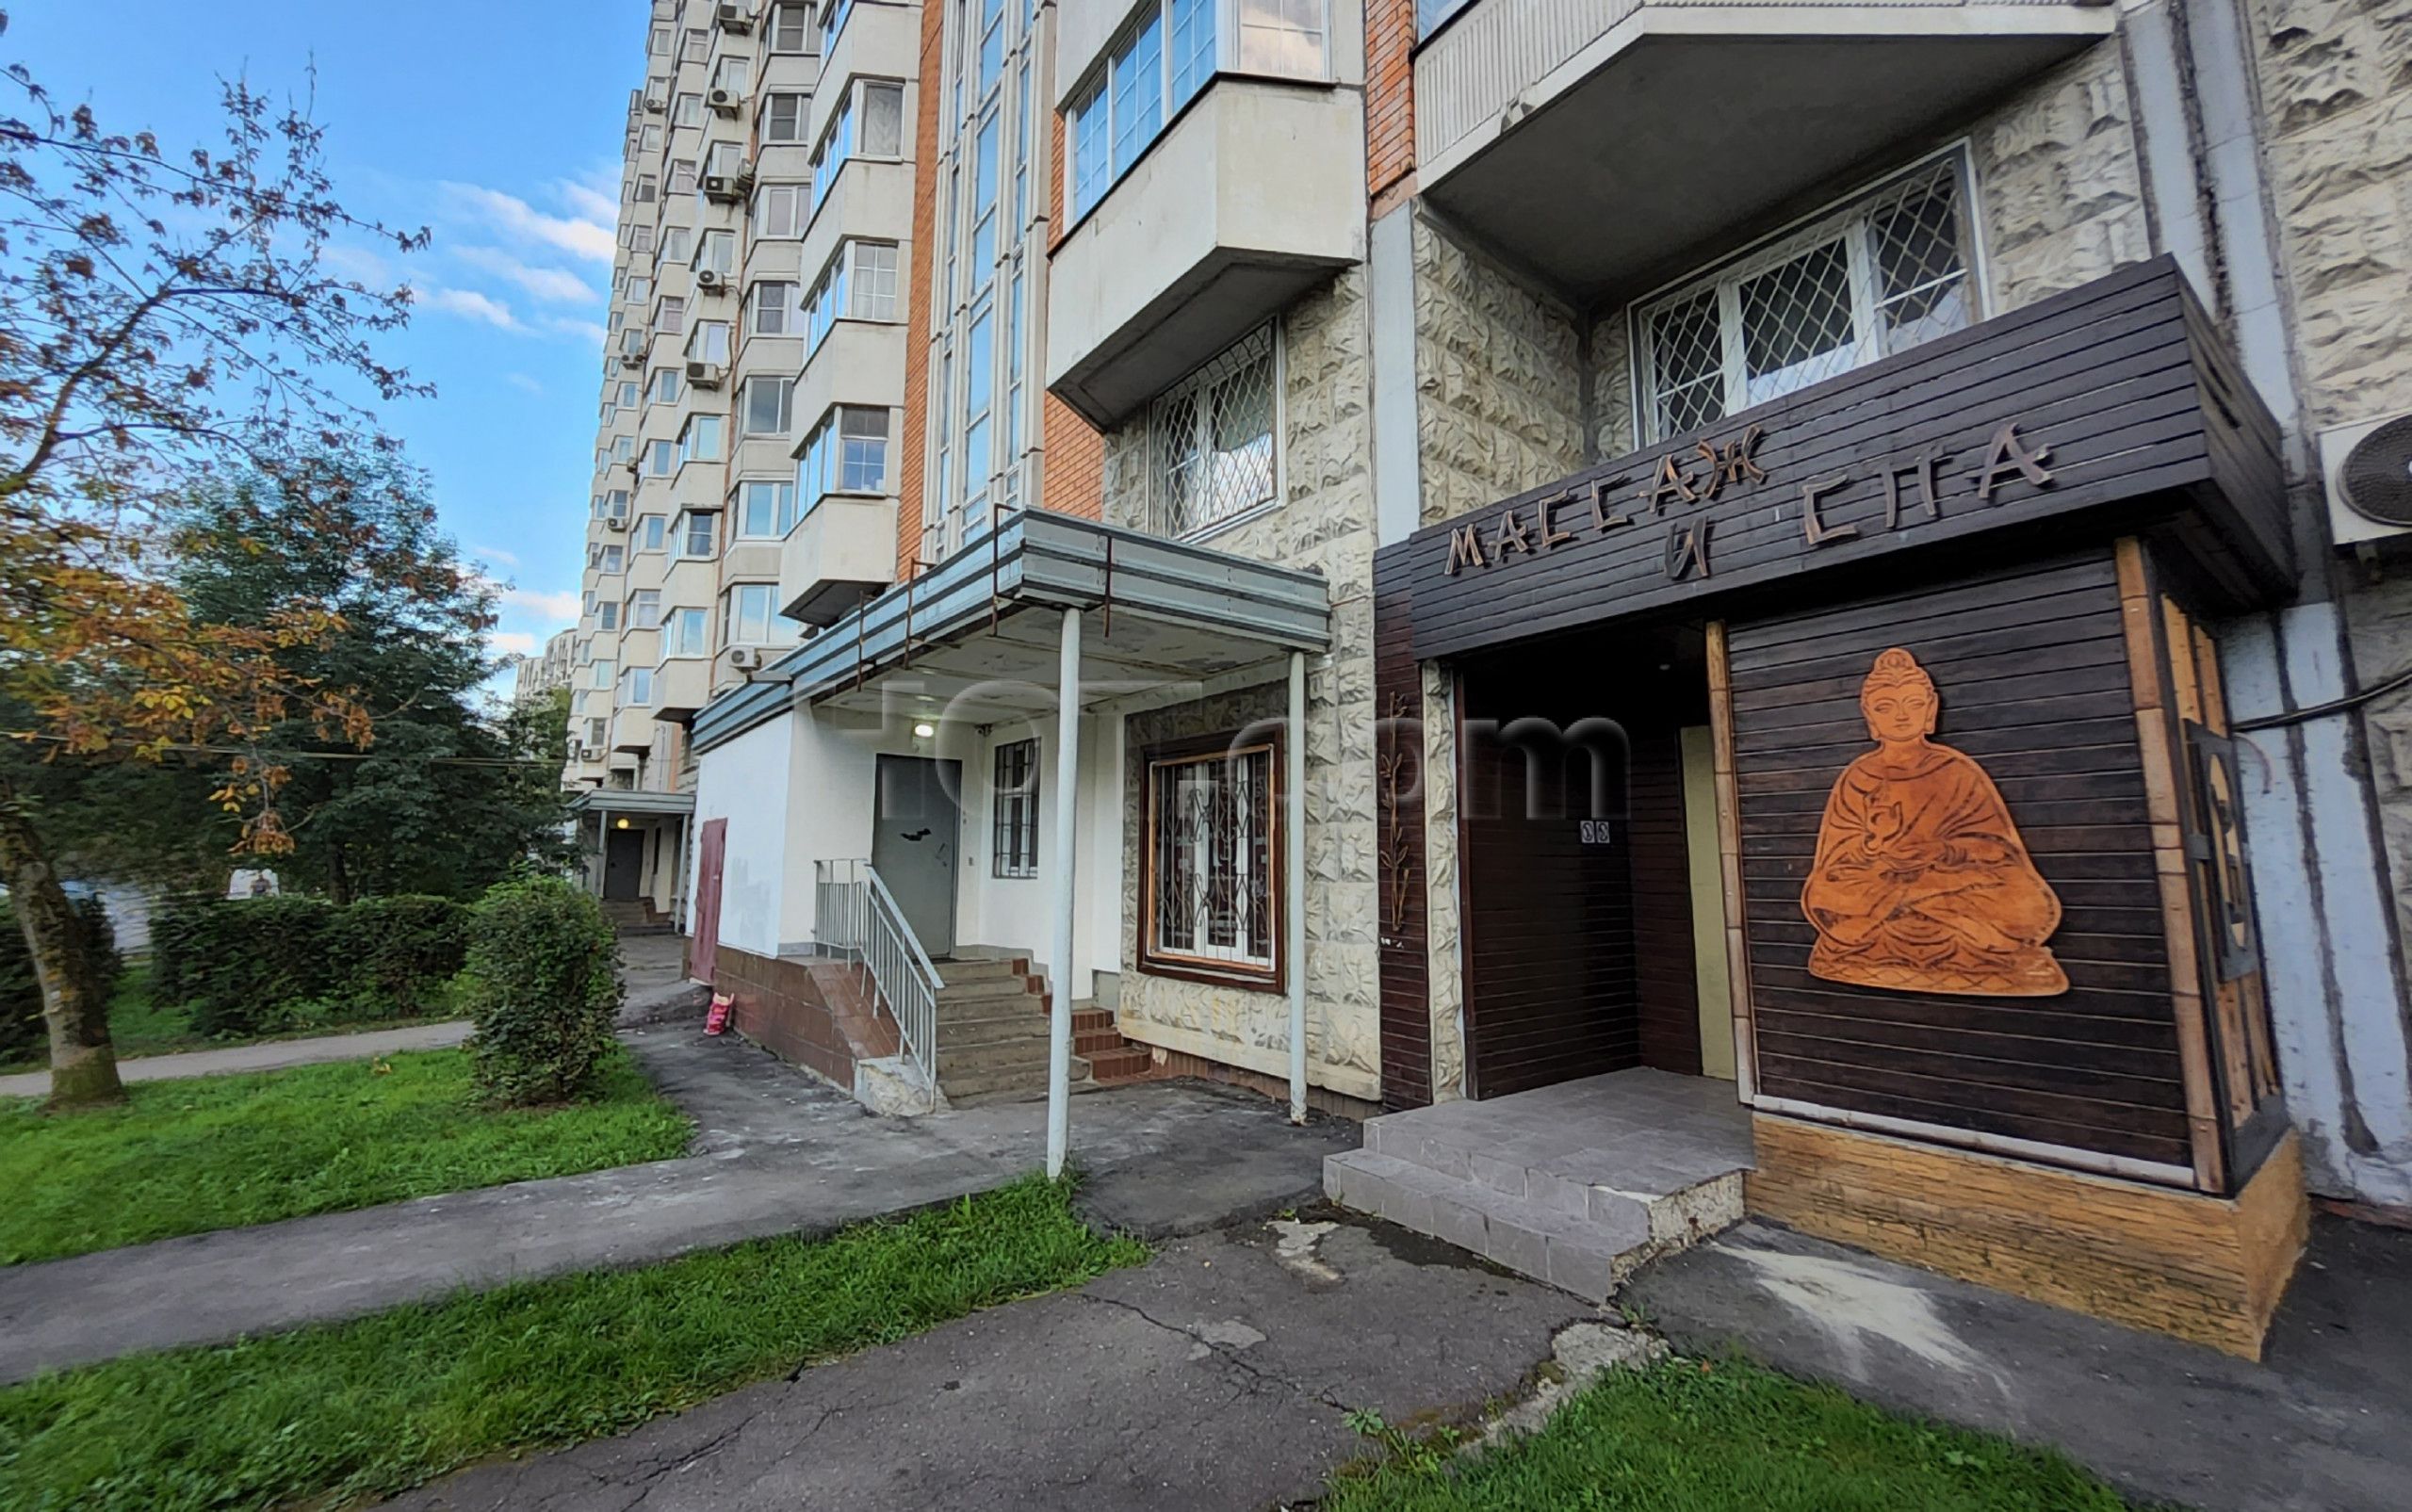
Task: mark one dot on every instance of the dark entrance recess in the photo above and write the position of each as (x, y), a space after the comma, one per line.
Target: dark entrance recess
(1578, 923)
(623, 865)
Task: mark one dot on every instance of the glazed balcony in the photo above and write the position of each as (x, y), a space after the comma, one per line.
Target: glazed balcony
(879, 40)
(840, 554)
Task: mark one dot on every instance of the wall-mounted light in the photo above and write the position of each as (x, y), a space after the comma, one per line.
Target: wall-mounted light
(924, 731)
(620, 824)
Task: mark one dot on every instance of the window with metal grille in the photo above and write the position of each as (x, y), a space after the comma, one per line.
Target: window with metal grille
(1211, 887)
(1880, 274)
(1013, 851)
(1211, 439)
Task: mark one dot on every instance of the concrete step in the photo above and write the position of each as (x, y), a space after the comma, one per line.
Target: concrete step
(957, 1059)
(986, 1080)
(1015, 1029)
(978, 968)
(996, 990)
(1590, 1254)
(1128, 1063)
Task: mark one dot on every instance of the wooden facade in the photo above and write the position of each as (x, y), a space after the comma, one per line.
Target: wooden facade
(2027, 523)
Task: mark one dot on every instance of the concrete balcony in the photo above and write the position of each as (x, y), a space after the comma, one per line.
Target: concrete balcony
(879, 40)
(1254, 195)
(858, 362)
(871, 198)
(1572, 133)
(840, 554)
(681, 684)
(632, 731)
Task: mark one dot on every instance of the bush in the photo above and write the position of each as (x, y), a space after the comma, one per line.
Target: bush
(23, 1035)
(543, 984)
(252, 965)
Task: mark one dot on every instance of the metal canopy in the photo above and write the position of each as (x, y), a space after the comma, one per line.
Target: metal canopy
(631, 800)
(979, 635)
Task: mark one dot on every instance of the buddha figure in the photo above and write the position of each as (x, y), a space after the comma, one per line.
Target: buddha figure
(1921, 883)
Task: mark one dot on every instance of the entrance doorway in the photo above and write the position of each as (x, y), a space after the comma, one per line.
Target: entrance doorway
(913, 843)
(1594, 926)
(623, 865)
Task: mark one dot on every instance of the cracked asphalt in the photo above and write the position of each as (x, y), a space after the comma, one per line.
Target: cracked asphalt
(1216, 1376)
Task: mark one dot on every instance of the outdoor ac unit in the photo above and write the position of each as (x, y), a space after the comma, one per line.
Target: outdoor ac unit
(704, 375)
(744, 175)
(744, 657)
(725, 188)
(615, 522)
(723, 102)
(655, 104)
(633, 359)
(733, 17)
(2367, 468)
(705, 279)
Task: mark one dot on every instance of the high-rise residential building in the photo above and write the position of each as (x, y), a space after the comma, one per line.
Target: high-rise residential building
(534, 676)
(1798, 576)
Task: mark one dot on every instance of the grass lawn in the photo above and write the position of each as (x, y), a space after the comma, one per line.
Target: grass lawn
(367, 1408)
(1687, 1437)
(215, 1152)
(140, 1027)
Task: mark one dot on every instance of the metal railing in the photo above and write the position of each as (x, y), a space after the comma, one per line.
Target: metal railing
(856, 917)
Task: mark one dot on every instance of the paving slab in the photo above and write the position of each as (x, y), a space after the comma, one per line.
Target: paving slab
(2323, 1424)
(1215, 1376)
(274, 1055)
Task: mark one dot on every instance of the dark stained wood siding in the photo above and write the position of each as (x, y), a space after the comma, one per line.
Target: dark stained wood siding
(2030, 663)
(1667, 990)
(1403, 962)
(2149, 428)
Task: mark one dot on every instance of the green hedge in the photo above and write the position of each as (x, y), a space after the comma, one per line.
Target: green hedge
(21, 1033)
(251, 966)
(542, 984)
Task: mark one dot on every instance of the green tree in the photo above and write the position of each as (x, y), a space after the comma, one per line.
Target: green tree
(451, 797)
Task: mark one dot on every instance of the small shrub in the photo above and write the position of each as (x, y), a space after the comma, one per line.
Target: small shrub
(255, 966)
(543, 984)
(23, 1034)
(396, 954)
(247, 957)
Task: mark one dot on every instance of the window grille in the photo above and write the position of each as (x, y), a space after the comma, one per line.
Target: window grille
(1880, 275)
(1212, 439)
(1014, 849)
(1212, 889)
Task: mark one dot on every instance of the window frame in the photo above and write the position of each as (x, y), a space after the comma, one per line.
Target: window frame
(1203, 376)
(675, 641)
(1013, 827)
(1842, 217)
(785, 387)
(1265, 737)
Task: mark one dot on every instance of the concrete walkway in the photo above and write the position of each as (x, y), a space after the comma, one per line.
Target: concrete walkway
(775, 1152)
(274, 1055)
(1215, 1376)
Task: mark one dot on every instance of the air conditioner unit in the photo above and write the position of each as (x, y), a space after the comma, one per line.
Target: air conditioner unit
(723, 102)
(744, 175)
(2367, 468)
(708, 280)
(733, 16)
(615, 522)
(655, 104)
(725, 188)
(704, 375)
(633, 359)
(744, 657)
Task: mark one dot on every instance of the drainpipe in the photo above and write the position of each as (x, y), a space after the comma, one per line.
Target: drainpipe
(1059, 947)
(1293, 871)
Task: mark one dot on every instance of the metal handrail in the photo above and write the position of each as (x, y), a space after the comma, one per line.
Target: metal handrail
(854, 913)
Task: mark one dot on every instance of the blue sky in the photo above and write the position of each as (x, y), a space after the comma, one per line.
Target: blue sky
(507, 148)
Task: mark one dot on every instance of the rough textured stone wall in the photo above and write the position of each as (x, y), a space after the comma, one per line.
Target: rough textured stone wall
(1442, 926)
(2059, 187)
(1498, 380)
(1614, 427)
(2335, 81)
(1324, 522)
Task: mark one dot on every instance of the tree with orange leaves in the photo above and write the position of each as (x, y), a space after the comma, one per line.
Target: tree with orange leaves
(161, 316)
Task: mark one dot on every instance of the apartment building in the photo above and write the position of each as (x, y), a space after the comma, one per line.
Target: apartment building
(1689, 607)
(532, 677)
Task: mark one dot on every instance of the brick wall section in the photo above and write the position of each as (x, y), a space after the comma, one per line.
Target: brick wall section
(1390, 95)
(919, 319)
(1073, 480)
(805, 1012)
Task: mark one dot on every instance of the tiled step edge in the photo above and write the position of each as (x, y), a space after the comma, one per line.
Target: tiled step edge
(1590, 1257)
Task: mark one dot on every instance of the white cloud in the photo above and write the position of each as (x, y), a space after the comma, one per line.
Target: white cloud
(555, 285)
(512, 643)
(522, 381)
(493, 554)
(552, 607)
(595, 200)
(590, 238)
(358, 264)
(469, 304)
(590, 330)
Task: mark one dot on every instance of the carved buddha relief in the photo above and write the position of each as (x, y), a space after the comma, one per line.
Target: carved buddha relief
(1921, 883)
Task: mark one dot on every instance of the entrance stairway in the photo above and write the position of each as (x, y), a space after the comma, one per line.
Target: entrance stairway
(992, 1034)
(1579, 1184)
(638, 918)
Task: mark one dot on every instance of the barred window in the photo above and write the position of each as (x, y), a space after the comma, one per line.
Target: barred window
(1012, 849)
(1877, 276)
(1212, 440)
(1211, 888)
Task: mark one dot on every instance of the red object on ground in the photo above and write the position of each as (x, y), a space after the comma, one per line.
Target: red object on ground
(716, 1021)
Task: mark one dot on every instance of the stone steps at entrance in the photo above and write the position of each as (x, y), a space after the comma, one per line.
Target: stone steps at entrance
(1577, 1185)
(993, 1026)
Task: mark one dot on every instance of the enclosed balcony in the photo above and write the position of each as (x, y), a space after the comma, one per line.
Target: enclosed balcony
(681, 684)
(1530, 115)
(841, 553)
(1214, 170)
(632, 731)
(874, 39)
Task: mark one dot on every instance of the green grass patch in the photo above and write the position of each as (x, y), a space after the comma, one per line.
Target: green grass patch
(367, 1408)
(186, 1155)
(140, 1027)
(1688, 1436)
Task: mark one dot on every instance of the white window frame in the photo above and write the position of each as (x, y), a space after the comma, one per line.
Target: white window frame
(1202, 375)
(1845, 217)
(786, 412)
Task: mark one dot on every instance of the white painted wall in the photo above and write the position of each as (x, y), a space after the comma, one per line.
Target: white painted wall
(828, 818)
(746, 782)
(1014, 912)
